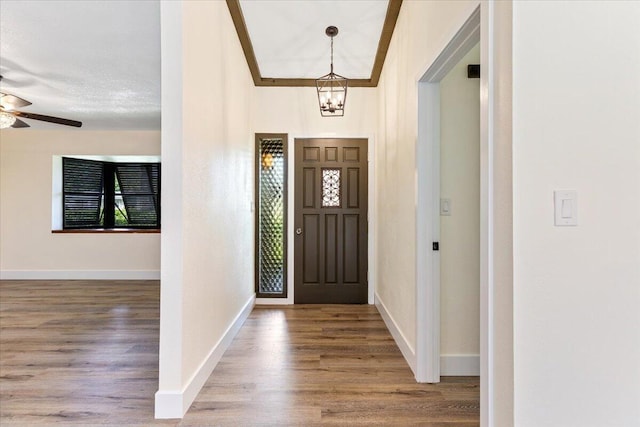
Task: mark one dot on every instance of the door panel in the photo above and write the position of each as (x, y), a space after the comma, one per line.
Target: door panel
(353, 184)
(331, 221)
(351, 252)
(310, 249)
(331, 248)
(309, 188)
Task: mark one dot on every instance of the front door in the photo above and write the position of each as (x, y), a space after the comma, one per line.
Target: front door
(330, 221)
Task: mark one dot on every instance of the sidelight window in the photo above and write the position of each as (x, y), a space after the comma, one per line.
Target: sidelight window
(271, 193)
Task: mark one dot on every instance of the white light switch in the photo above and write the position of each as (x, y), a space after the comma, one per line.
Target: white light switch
(445, 207)
(566, 207)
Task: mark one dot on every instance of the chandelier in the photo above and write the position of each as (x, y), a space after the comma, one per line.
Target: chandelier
(332, 88)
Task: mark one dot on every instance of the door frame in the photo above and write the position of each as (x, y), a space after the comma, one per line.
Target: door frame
(477, 28)
(291, 211)
(428, 199)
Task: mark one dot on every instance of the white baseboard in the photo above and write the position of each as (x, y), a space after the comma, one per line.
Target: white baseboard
(79, 274)
(169, 404)
(454, 365)
(460, 365)
(174, 404)
(273, 301)
(405, 348)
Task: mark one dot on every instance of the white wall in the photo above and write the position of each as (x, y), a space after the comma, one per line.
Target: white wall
(576, 110)
(295, 110)
(460, 232)
(207, 240)
(28, 249)
(421, 33)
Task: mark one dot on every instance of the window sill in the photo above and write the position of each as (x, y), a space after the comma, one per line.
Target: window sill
(110, 230)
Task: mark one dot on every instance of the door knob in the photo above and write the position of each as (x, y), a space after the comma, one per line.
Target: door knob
(298, 231)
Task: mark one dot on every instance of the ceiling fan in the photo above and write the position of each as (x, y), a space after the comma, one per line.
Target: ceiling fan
(10, 117)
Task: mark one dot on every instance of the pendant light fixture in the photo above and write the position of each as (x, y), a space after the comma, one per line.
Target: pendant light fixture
(332, 88)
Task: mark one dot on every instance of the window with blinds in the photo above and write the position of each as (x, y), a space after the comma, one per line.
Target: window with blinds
(99, 194)
(82, 186)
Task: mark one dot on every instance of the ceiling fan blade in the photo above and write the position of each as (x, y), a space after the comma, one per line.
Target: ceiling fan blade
(9, 102)
(50, 119)
(20, 124)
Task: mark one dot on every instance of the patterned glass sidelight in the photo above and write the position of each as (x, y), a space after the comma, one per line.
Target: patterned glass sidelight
(271, 216)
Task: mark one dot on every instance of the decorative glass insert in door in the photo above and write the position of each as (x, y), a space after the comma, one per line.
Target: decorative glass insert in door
(271, 216)
(330, 188)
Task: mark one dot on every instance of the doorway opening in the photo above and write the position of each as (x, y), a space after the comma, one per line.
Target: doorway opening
(459, 248)
(428, 206)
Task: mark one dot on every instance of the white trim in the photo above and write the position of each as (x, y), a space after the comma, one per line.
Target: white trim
(56, 193)
(291, 215)
(428, 231)
(174, 404)
(119, 158)
(371, 220)
(401, 341)
(459, 45)
(80, 275)
(371, 244)
(487, 108)
(168, 404)
(428, 197)
(273, 301)
(201, 375)
(460, 365)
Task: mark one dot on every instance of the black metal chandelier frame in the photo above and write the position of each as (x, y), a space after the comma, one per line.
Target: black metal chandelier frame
(332, 87)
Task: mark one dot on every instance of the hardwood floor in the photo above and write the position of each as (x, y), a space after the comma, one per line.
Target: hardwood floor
(326, 365)
(78, 352)
(85, 353)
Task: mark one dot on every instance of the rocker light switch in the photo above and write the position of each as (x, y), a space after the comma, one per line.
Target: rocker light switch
(445, 207)
(566, 207)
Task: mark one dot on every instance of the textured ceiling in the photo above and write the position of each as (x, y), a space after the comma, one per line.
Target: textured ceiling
(289, 40)
(98, 61)
(93, 61)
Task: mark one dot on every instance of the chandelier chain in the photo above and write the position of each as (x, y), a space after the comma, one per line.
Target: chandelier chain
(331, 54)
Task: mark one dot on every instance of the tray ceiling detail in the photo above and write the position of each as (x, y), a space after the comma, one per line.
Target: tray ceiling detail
(285, 44)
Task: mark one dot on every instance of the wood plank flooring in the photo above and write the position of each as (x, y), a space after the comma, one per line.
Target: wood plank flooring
(78, 352)
(85, 353)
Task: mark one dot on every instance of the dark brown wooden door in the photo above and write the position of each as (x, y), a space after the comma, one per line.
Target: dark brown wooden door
(330, 221)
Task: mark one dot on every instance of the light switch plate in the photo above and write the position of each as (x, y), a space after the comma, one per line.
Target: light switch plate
(565, 207)
(445, 207)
